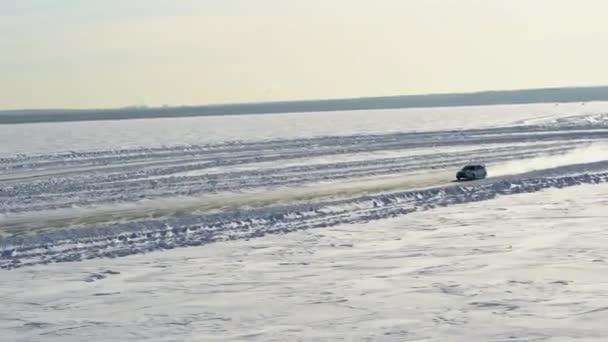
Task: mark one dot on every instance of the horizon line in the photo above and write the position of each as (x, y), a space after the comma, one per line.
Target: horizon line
(300, 101)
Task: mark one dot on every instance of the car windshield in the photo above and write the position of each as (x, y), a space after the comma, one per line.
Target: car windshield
(470, 167)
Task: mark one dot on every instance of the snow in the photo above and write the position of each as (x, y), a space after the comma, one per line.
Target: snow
(523, 267)
(315, 226)
(70, 136)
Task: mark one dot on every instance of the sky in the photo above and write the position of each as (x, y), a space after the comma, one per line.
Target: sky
(116, 53)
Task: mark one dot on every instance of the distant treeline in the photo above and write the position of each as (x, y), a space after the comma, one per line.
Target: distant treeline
(582, 94)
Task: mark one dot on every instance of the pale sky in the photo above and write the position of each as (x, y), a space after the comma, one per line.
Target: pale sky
(114, 53)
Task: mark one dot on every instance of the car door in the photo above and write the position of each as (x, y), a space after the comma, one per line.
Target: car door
(481, 172)
(478, 172)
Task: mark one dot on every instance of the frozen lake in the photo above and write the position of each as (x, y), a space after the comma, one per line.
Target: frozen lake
(311, 226)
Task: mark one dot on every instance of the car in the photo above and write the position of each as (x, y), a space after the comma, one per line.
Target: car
(472, 172)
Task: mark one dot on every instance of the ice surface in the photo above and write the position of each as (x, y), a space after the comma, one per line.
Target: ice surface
(319, 226)
(85, 136)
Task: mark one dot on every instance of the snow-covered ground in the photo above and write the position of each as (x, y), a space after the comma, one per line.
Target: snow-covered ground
(98, 135)
(318, 226)
(528, 267)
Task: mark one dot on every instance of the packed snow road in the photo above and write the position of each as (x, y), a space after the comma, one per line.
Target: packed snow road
(69, 206)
